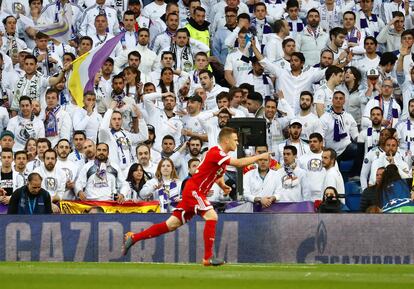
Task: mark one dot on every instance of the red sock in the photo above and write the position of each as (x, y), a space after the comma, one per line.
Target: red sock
(209, 235)
(151, 232)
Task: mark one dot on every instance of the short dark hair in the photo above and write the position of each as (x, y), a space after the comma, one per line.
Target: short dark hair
(6, 150)
(299, 55)
(349, 12)
(243, 16)
(306, 92)
(293, 149)
(192, 160)
(372, 38)
(20, 153)
(286, 41)
(268, 99)
(221, 95)
(44, 140)
(134, 53)
(25, 97)
(316, 135)
(87, 38)
(333, 154)
(103, 143)
(278, 25)
(255, 96)
(334, 32)
(313, 10)
(380, 109)
(202, 71)
(51, 151)
(168, 136)
(292, 4)
(388, 58)
(331, 70)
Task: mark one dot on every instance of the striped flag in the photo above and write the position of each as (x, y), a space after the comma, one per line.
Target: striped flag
(61, 30)
(87, 66)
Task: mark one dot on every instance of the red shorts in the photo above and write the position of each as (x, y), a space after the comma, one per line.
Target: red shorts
(192, 203)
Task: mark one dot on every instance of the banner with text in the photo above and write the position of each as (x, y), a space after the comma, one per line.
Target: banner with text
(252, 238)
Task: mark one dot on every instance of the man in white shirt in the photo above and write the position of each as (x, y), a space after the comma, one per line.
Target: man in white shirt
(390, 156)
(294, 130)
(212, 89)
(12, 44)
(340, 132)
(238, 64)
(273, 49)
(78, 139)
(144, 158)
(323, 96)
(405, 134)
(58, 123)
(102, 180)
(275, 124)
(386, 101)
(293, 82)
(367, 20)
(369, 137)
(120, 141)
(70, 168)
(312, 39)
(155, 9)
(87, 119)
(191, 124)
(374, 154)
(259, 184)
(164, 40)
(310, 121)
(148, 58)
(165, 120)
(354, 37)
(333, 177)
(101, 34)
(33, 84)
(289, 46)
(311, 162)
(289, 178)
(86, 26)
(54, 178)
(370, 60)
(337, 38)
(25, 125)
(390, 34)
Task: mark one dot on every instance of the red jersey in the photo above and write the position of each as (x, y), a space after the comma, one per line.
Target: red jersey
(209, 170)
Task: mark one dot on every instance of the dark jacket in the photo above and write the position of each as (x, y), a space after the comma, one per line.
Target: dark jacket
(22, 202)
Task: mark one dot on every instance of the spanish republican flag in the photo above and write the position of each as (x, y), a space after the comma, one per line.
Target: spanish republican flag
(84, 207)
(86, 66)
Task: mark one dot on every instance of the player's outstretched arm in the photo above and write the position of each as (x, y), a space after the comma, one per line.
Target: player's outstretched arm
(248, 160)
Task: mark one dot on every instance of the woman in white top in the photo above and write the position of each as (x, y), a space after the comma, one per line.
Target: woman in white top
(133, 86)
(165, 187)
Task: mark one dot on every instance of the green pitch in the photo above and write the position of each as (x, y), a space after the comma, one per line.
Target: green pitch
(35, 275)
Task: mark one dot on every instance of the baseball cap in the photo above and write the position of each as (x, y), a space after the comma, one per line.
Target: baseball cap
(373, 72)
(295, 121)
(26, 50)
(6, 133)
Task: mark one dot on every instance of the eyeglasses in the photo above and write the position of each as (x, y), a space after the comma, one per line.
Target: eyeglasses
(386, 85)
(230, 16)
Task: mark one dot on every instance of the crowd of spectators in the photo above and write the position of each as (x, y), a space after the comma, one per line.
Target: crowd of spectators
(333, 79)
